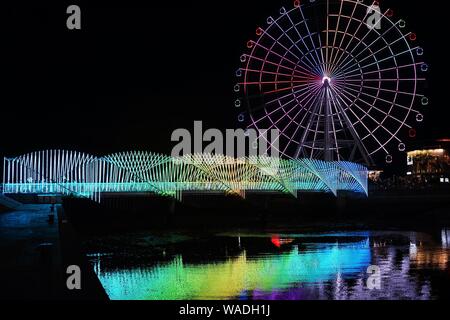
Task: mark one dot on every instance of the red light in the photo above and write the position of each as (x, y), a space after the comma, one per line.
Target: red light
(412, 133)
(390, 13)
(259, 31)
(276, 241)
(250, 44)
(297, 3)
(412, 37)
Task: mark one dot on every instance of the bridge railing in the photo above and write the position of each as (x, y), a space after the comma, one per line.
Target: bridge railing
(75, 173)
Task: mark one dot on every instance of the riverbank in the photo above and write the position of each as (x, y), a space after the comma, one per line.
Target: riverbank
(31, 256)
(36, 245)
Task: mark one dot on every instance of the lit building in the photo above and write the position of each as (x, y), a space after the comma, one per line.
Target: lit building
(430, 164)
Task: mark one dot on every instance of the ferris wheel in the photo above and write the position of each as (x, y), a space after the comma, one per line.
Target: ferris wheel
(339, 79)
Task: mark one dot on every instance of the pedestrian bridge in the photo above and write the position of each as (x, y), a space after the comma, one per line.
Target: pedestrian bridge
(83, 175)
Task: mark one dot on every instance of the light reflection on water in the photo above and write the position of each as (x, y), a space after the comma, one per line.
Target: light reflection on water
(283, 267)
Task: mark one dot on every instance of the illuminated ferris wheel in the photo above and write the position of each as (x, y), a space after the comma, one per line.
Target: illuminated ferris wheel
(340, 80)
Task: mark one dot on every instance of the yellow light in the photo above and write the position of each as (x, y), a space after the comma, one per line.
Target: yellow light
(430, 152)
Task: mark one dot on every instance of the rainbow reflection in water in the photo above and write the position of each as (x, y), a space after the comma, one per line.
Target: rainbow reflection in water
(262, 277)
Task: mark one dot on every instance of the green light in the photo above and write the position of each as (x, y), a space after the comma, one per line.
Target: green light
(177, 280)
(74, 173)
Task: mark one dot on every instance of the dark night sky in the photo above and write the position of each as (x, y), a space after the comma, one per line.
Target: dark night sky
(137, 71)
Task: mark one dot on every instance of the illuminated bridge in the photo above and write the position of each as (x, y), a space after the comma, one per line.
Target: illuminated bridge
(83, 175)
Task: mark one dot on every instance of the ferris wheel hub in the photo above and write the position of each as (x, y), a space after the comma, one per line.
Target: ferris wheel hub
(326, 80)
(334, 89)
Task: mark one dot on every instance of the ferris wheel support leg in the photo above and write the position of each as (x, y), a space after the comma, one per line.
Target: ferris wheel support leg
(328, 147)
(300, 148)
(358, 145)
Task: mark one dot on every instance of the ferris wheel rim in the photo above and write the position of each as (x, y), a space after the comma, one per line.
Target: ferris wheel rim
(307, 68)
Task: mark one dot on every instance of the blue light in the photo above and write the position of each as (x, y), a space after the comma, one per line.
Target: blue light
(83, 175)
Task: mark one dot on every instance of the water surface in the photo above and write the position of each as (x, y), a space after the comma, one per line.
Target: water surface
(273, 266)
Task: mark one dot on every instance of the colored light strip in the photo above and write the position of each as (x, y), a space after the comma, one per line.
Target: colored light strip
(75, 173)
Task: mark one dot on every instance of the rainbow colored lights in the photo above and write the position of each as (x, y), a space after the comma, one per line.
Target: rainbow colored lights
(333, 85)
(179, 280)
(80, 174)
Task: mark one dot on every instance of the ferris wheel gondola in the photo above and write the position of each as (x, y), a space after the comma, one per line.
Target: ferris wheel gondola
(335, 86)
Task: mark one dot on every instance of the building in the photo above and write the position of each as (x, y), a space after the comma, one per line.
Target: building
(430, 164)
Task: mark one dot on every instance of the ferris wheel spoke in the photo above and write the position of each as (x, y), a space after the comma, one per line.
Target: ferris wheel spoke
(368, 46)
(393, 56)
(275, 82)
(312, 76)
(359, 120)
(377, 62)
(312, 87)
(361, 41)
(320, 48)
(391, 104)
(282, 106)
(310, 123)
(283, 58)
(335, 36)
(349, 74)
(372, 106)
(287, 88)
(308, 111)
(278, 65)
(338, 90)
(286, 50)
(337, 75)
(359, 142)
(353, 34)
(311, 64)
(337, 68)
(327, 37)
(298, 84)
(356, 66)
(323, 63)
(333, 61)
(264, 105)
(311, 39)
(276, 73)
(294, 26)
(308, 103)
(388, 80)
(275, 124)
(337, 111)
(386, 90)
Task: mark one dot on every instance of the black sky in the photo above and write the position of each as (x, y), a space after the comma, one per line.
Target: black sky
(137, 71)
